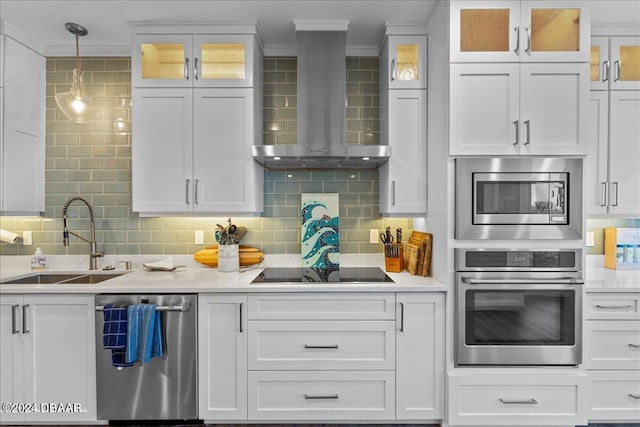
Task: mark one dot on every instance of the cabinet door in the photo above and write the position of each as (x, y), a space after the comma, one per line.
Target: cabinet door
(23, 136)
(162, 152)
(484, 109)
(625, 63)
(223, 161)
(11, 356)
(553, 108)
(599, 64)
(595, 163)
(223, 60)
(483, 31)
(420, 356)
(407, 62)
(624, 152)
(404, 176)
(555, 31)
(222, 337)
(60, 359)
(162, 61)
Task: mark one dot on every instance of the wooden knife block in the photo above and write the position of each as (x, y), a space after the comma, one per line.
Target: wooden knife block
(394, 264)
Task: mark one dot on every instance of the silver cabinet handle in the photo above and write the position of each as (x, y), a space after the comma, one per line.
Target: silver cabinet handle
(605, 70)
(333, 346)
(614, 307)
(604, 194)
(517, 49)
(186, 68)
(518, 402)
(615, 184)
(616, 74)
(527, 124)
(240, 310)
(634, 345)
(24, 319)
(401, 317)
(528, 49)
(186, 192)
(195, 191)
(320, 396)
(517, 124)
(14, 329)
(393, 69)
(532, 281)
(634, 396)
(393, 192)
(195, 68)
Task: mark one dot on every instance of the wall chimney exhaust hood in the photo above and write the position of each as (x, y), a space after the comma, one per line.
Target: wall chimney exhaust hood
(321, 108)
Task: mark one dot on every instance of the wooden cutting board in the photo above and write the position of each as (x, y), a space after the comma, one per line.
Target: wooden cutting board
(248, 256)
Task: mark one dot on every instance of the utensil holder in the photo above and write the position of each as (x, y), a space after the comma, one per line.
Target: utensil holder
(228, 258)
(393, 258)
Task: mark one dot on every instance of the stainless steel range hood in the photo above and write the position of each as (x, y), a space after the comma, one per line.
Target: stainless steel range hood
(321, 112)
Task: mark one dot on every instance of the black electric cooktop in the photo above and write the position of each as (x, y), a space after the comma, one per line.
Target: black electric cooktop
(313, 275)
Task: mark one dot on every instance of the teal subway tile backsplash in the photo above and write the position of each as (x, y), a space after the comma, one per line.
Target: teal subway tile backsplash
(94, 161)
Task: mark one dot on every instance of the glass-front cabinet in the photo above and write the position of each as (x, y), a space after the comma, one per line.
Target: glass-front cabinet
(615, 63)
(514, 31)
(407, 62)
(192, 61)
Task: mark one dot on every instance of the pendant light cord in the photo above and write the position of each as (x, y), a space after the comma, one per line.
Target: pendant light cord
(78, 52)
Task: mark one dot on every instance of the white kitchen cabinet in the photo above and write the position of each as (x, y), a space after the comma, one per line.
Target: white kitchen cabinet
(543, 398)
(222, 357)
(48, 356)
(192, 60)
(403, 179)
(615, 63)
(519, 31)
(192, 151)
(612, 356)
(518, 109)
(22, 128)
(612, 177)
(420, 357)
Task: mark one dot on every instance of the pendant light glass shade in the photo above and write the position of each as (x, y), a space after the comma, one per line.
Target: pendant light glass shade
(76, 104)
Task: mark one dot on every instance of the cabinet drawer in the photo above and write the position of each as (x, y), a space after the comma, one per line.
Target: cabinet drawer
(613, 344)
(327, 395)
(614, 395)
(337, 345)
(517, 399)
(321, 306)
(612, 306)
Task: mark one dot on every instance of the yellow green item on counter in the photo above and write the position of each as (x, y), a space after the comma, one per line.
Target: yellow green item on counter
(248, 256)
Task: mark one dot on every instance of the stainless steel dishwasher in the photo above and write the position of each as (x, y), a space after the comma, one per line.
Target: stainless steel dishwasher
(166, 387)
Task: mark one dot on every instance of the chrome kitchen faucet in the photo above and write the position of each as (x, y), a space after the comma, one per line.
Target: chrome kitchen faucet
(93, 252)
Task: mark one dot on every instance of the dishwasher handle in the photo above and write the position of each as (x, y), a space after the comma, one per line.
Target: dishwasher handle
(181, 308)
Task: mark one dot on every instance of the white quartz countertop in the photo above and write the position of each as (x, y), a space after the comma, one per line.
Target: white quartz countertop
(199, 279)
(600, 279)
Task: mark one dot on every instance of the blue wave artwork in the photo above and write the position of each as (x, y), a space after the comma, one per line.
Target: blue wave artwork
(320, 230)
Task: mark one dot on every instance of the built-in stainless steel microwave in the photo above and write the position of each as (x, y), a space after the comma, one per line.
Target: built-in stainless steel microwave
(518, 198)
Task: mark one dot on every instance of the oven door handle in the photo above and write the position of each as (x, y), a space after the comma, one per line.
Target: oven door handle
(537, 281)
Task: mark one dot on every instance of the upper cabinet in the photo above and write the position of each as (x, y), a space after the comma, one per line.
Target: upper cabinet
(515, 31)
(178, 60)
(615, 63)
(22, 131)
(406, 62)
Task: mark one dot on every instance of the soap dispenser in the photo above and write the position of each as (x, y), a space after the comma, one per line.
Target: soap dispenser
(38, 260)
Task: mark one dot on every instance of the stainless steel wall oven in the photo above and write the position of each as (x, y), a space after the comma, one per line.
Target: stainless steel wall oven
(518, 307)
(512, 198)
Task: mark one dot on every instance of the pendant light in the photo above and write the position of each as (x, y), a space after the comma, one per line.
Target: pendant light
(76, 104)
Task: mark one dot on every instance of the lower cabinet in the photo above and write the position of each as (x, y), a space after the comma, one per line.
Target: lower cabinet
(549, 398)
(612, 356)
(321, 356)
(47, 358)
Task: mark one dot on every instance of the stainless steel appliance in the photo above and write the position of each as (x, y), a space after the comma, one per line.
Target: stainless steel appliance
(513, 198)
(166, 387)
(518, 307)
(315, 275)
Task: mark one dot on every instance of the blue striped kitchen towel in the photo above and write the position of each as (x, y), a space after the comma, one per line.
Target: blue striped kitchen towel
(114, 333)
(144, 333)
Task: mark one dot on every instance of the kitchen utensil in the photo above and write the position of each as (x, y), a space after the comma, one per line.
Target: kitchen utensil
(398, 235)
(386, 238)
(240, 232)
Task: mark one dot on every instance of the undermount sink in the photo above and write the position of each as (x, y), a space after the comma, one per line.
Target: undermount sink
(50, 278)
